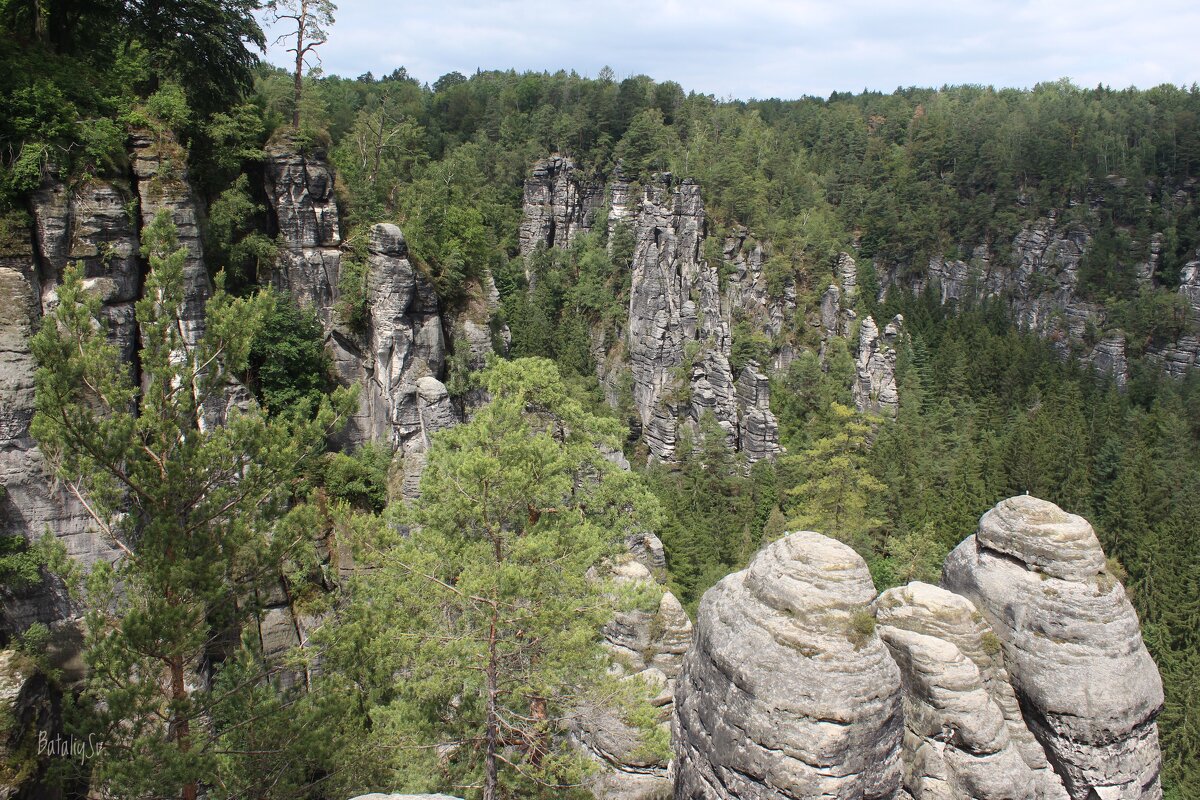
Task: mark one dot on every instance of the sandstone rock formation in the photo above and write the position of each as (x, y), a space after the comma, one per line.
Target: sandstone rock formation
(559, 204)
(1072, 644)
(31, 501)
(300, 190)
(1025, 677)
(648, 645)
(758, 429)
(787, 692)
(874, 388)
(160, 169)
(965, 735)
(677, 337)
(1039, 281)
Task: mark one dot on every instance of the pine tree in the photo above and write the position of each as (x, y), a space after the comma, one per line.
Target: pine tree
(836, 495)
(200, 514)
(485, 619)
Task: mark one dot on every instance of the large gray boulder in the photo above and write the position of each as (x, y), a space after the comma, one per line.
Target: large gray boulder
(965, 734)
(787, 692)
(1071, 642)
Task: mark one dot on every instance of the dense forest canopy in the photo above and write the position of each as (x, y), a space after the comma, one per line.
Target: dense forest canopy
(897, 178)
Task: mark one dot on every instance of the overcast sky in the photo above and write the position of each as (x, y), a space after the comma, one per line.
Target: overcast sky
(776, 48)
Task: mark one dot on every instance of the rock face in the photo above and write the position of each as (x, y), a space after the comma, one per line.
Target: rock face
(1039, 282)
(160, 169)
(758, 430)
(676, 340)
(403, 342)
(559, 204)
(300, 190)
(965, 735)
(1071, 642)
(647, 647)
(93, 225)
(31, 501)
(787, 692)
(874, 388)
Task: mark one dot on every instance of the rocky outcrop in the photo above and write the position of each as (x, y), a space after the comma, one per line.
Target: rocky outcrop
(93, 225)
(874, 388)
(300, 190)
(1038, 279)
(674, 301)
(559, 202)
(787, 692)
(160, 170)
(965, 735)
(27, 705)
(747, 294)
(403, 342)
(647, 645)
(31, 502)
(676, 339)
(1072, 644)
(758, 429)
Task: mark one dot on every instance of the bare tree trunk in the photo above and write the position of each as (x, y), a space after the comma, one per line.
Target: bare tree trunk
(299, 79)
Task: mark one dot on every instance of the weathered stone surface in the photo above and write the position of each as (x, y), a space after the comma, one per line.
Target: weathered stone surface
(559, 202)
(1108, 357)
(647, 645)
(32, 501)
(94, 226)
(27, 706)
(874, 388)
(747, 293)
(758, 429)
(676, 340)
(300, 190)
(1039, 282)
(160, 167)
(956, 740)
(940, 686)
(781, 694)
(1071, 642)
(674, 299)
(378, 796)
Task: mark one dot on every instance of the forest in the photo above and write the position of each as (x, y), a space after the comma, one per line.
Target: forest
(987, 410)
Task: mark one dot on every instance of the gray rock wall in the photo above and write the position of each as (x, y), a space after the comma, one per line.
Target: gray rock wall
(676, 343)
(780, 695)
(1072, 643)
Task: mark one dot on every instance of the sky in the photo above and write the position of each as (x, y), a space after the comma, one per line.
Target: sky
(775, 48)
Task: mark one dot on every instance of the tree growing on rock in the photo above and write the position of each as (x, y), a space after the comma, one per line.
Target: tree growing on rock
(202, 513)
(311, 18)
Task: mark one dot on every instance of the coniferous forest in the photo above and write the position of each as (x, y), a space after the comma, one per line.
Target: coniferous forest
(450, 615)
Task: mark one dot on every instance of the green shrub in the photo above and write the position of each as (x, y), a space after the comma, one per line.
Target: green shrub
(289, 369)
(861, 627)
(360, 478)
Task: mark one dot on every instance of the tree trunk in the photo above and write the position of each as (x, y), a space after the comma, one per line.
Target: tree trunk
(490, 774)
(180, 728)
(299, 79)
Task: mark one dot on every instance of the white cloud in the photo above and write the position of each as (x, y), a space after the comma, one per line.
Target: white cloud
(786, 48)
